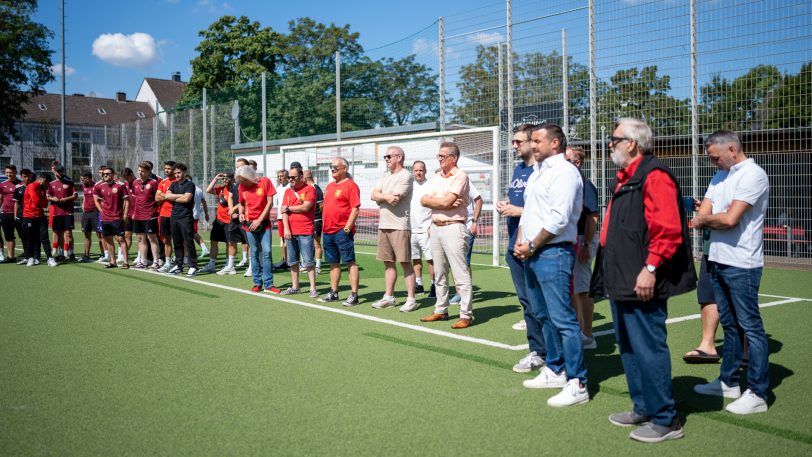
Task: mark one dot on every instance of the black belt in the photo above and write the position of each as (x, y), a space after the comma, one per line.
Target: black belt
(563, 244)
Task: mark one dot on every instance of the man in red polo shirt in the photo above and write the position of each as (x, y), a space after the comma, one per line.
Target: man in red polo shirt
(62, 193)
(298, 214)
(165, 213)
(36, 225)
(145, 215)
(113, 204)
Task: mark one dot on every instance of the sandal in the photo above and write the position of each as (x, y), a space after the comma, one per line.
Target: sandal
(126, 266)
(700, 357)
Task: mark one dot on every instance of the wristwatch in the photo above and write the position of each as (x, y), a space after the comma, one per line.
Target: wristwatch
(287, 210)
(346, 230)
(532, 247)
(651, 268)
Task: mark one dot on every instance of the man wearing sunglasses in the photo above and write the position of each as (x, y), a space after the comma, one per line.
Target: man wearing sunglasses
(393, 196)
(647, 258)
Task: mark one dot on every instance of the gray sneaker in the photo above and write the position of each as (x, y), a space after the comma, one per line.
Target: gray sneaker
(290, 291)
(314, 293)
(455, 300)
(653, 433)
(329, 297)
(628, 419)
(528, 363)
(352, 300)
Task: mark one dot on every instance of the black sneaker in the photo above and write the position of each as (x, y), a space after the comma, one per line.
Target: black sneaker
(60, 258)
(72, 258)
(418, 289)
(433, 292)
(84, 259)
(10, 260)
(352, 300)
(330, 297)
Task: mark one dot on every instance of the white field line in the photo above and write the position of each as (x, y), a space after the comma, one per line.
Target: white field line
(496, 344)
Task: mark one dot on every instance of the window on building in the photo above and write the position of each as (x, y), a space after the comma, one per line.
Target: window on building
(42, 165)
(80, 145)
(42, 106)
(101, 111)
(44, 135)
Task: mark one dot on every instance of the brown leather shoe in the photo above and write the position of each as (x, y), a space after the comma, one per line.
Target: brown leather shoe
(434, 317)
(463, 323)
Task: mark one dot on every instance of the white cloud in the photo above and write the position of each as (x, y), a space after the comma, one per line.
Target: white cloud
(56, 70)
(423, 46)
(132, 51)
(486, 39)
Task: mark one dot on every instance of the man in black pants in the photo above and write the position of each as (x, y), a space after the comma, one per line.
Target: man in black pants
(27, 176)
(182, 195)
(35, 222)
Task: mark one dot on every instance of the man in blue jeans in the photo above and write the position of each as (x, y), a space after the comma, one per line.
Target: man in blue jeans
(646, 258)
(547, 229)
(511, 209)
(733, 208)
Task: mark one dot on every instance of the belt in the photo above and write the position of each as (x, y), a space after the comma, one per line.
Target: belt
(444, 223)
(563, 244)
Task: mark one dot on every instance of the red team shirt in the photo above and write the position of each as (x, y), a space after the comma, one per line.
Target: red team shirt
(301, 223)
(339, 200)
(7, 191)
(143, 199)
(88, 205)
(254, 198)
(61, 189)
(222, 211)
(165, 206)
(112, 197)
(34, 201)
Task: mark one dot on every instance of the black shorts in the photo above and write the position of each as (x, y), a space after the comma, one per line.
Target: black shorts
(317, 227)
(62, 223)
(148, 226)
(164, 227)
(112, 228)
(218, 231)
(235, 233)
(90, 221)
(7, 225)
(704, 290)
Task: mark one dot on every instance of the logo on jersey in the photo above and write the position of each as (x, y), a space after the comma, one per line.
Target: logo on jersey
(115, 190)
(302, 196)
(259, 191)
(64, 186)
(148, 186)
(338, 193)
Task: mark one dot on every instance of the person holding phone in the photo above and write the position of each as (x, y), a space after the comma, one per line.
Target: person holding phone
(256, 200)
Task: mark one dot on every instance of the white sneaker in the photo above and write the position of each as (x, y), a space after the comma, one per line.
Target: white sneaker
(455, 299)
(165, 268)
(248, 273)
(521, 325)
(36, 261)
(547, 379)
(160, 263)
(138, 260)
(175, 270)
(22, 262)
(717, 388)
(2, 258)
(748, 403)
(209, 268)
(120, 259)
(30, 262)
(385, 302)
(204, 252)
(529, 363)
(571, 394)
(410, 305)
(227, 271)
(192, 271)
(242, 263)
(52, 262)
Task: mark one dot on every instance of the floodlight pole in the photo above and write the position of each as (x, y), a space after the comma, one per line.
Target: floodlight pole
(62, 145)
(442, 73)
(264, 129)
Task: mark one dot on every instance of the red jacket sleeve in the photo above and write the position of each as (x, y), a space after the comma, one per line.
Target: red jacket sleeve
(662, 217)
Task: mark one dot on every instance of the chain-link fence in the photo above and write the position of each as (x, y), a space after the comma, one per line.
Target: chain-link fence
(687, 68)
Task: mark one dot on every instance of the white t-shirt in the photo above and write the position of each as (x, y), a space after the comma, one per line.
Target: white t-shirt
(741, 246)
(473, 194)
(419, 215)
(277, 199)
(197, 209)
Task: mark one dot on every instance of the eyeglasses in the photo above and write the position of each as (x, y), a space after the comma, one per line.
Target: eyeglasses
(442, 157)
(389, 156)
(617, 139)
(335, 168)
(293, 177)
(519, 142)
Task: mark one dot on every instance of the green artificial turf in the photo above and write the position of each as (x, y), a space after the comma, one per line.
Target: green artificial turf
(100, 362)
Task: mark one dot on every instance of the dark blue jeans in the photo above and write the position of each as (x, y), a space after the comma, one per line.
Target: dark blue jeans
(641, 339)
(736, 291)
(548, 275)
(534, 335)
(261, 261)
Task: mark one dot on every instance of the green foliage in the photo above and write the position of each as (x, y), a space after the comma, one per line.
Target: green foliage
(25, 62)
(738, 105)
(790, 105)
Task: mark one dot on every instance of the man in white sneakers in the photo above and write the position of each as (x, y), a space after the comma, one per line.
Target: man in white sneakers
(733, 209)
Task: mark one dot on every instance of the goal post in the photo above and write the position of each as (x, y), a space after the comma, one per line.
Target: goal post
(480, 157)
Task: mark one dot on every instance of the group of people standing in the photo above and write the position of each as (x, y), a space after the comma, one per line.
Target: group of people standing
(642, 251)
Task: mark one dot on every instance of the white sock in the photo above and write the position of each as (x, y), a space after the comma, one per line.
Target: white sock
(230, 262)
(419, 282)
(244, 256)
(203, 245)
(318, 263)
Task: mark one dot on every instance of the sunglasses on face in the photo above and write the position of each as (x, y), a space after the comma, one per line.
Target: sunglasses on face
(293, 177)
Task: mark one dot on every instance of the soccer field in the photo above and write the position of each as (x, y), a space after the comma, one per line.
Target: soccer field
(101, 362)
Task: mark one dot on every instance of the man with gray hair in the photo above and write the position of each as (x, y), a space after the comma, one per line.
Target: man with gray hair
(646, 258)
(733, 209)
(393, 196)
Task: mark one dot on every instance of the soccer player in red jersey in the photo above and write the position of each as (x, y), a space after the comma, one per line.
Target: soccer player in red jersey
(113, 204)
(219, 229)
(62, 193)
(165, 213)
(34, 221)
(128, 179)
(7, 223)
(145, 214)
(256, 200)
(90, 215)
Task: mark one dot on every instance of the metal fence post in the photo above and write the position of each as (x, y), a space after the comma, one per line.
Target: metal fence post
(264, 129)
(203, 109)
(338, 96)
(593, 97)
(509, 76)
(172, 136)
(495, 186)
(565, 101)
(697, 248)
(441, 52)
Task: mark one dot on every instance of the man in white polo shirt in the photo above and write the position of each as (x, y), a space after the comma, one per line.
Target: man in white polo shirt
(733, 209)
(548, 228)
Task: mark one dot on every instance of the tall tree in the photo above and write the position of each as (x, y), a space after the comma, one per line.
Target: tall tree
(790, 105)
(738, 104)
(25, 62)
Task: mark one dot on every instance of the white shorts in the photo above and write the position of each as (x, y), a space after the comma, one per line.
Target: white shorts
(420, 246)
(582, 272)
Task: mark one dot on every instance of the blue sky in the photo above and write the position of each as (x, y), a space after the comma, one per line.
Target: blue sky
(112, 45)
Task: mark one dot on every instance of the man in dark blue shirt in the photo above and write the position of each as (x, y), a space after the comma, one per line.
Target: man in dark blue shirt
(182, 194)
(511, 209)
